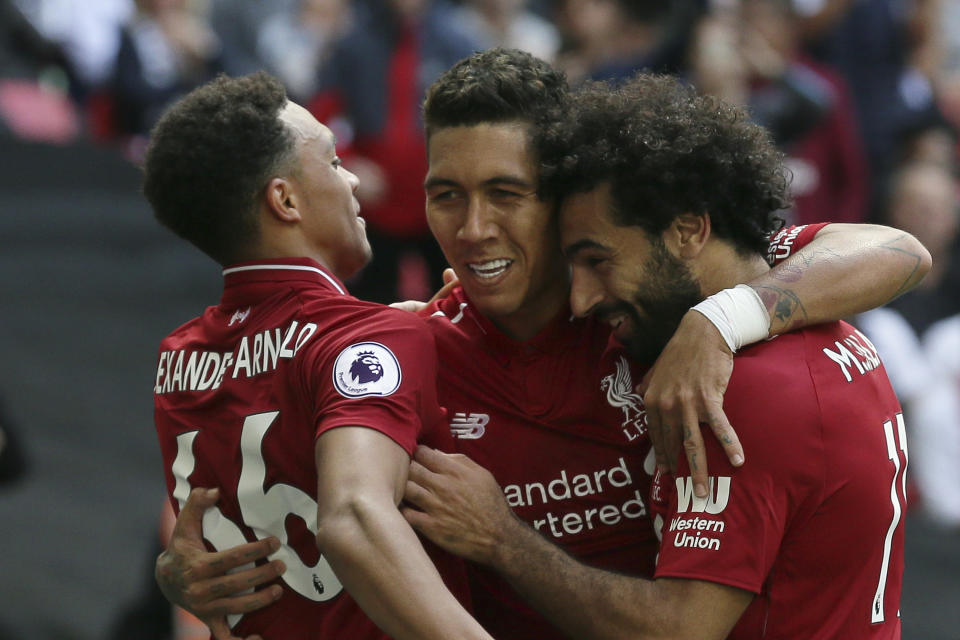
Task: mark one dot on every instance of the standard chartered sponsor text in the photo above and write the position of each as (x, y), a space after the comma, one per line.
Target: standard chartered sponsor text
(566, 487)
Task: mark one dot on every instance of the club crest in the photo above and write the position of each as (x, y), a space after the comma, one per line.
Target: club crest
(620, 394)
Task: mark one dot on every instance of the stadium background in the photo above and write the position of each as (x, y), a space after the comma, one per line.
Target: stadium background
(90, 283)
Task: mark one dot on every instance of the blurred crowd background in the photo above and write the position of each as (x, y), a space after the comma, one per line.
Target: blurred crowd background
(863, 97)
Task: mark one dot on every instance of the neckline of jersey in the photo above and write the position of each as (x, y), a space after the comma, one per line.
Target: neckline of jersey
(281, 269)
(555, 337)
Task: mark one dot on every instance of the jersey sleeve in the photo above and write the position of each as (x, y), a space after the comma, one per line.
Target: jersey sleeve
(382, 377)
(733, 536)
(791, 239)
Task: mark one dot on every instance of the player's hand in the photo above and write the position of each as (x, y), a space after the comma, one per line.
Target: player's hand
(685, 388)
(197, 580)
(459, 505)
(415, 306)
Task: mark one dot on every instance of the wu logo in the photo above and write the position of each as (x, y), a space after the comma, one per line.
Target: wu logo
(469, 427)
(718, 494)
(619, 388)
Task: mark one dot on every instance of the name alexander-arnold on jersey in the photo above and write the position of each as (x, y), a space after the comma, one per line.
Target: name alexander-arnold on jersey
(191, 370)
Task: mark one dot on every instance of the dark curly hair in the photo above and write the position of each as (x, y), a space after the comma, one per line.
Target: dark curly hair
(493, 86)
(211, 155)
(667, 151)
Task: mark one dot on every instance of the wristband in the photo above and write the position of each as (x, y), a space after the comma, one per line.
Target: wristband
(738, 314)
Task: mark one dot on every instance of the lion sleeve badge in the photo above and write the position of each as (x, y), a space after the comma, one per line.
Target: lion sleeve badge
(366, 369)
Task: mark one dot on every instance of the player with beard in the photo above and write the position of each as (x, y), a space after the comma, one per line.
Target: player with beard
(299, 402)
(670, 198)
(537, 395)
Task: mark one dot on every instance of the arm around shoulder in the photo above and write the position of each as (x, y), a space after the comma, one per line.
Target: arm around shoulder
(845, 270)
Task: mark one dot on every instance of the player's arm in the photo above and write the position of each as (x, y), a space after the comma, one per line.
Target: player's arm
(461, 507)
(846, 269)
(374, 552)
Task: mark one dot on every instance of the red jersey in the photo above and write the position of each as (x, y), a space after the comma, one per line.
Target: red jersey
(242, 393)
(813, 522)
(790, 239)
(557, 422)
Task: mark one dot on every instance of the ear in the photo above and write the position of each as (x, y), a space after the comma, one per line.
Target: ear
(282, 200)
(689, 233)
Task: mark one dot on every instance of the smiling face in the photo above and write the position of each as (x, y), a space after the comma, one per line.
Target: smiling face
(624, 275)
(499, 237)
(327, 194)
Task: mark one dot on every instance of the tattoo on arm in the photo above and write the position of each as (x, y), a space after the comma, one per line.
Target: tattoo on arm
(784, 306)
(912, 279)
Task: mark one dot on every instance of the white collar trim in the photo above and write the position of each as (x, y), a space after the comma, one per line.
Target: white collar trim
(285, 267)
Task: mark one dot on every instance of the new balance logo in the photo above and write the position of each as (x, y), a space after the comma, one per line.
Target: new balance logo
(718, 494)
(239, 316)
(469, 427)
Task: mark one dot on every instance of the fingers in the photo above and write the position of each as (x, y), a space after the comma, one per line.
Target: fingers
(423, 479)
(725, 434)
(450, 281)
(431, 459)
(412, 306)
(694, 450)
(234, 583)
(190, 521)
(220, 630)
(223, 607)
(416, 494)
(417, 519)
(218, 563)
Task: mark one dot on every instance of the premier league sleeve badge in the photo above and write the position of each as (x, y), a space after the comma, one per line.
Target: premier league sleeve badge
(366, 369)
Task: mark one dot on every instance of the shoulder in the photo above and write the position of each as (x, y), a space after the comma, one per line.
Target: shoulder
(774, 380)
(351, 327)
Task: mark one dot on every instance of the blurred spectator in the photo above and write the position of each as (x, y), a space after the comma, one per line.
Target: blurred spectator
(918, 335)
(238, 24)
(88, 31)
(883, 50)
(511, 24)
(923, 201)
(750, 54)
(616, 38)
(379, 73)
(937, 446)
(34, 78)
(933, 140)
(294, 45)
(165, 50)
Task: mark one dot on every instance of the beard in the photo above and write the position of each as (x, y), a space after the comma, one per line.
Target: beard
(666, 292)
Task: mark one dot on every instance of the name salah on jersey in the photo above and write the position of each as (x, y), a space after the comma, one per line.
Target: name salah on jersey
(191, 370)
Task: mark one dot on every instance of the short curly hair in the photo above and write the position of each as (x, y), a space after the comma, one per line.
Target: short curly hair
(211, 155)
(667, 151)
(495, 86)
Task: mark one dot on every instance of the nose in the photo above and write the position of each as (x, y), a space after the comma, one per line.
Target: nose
(479, 223)
(586, 291)
(352, 180)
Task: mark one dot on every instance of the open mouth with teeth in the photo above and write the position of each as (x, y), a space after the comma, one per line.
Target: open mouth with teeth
(490, 269)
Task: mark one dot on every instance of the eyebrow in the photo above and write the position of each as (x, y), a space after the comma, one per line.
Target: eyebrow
(496, 180)
(571, 250)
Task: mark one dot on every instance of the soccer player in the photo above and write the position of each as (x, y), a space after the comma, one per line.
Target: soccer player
(300, 402)
(669, 197)
(532, 393)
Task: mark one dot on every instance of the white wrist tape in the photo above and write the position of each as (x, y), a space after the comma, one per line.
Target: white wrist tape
(738, 314)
